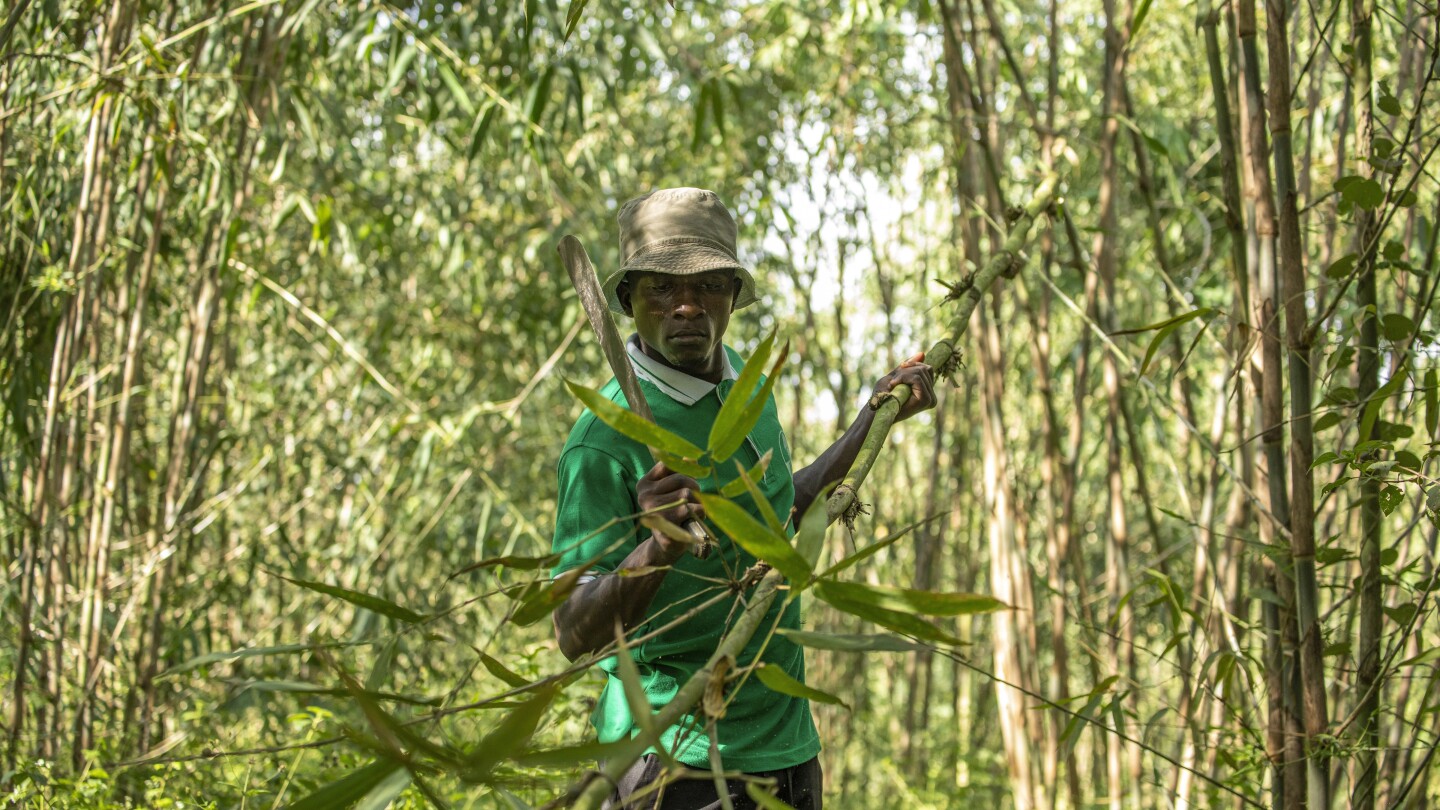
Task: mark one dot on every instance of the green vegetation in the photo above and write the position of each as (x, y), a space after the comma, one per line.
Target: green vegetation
(286, 338)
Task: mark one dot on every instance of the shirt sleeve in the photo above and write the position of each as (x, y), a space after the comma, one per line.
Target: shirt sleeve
(595, 503)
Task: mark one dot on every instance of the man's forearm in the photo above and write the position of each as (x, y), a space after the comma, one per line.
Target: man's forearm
(586, 621)
(830, 467)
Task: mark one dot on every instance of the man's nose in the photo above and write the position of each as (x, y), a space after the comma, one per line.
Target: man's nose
(687, 303)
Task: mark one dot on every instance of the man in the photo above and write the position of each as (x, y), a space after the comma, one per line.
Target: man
(680, 281)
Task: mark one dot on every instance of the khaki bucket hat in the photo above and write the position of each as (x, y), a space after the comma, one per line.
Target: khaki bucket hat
(682, 231)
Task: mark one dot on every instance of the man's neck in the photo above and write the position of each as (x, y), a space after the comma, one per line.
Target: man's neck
(713, 371)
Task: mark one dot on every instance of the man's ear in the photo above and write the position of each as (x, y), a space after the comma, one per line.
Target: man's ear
(622, 293)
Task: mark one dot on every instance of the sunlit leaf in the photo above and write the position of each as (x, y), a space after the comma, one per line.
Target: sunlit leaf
(856, 642)
(755, 473)
(780, 681)
(630, 424)
(756, 538)
(508, 738)
(368, 601)
(349, 789)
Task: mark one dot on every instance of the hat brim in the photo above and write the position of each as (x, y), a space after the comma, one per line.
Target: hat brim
(681, 260)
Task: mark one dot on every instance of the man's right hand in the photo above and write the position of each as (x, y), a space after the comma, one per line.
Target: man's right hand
(663, 487)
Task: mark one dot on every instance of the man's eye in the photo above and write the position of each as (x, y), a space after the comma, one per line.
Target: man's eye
(712, 286)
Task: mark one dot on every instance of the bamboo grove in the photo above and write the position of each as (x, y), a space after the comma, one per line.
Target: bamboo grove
(286, 335)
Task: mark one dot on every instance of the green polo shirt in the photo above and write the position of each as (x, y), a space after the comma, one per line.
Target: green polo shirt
(761, 730)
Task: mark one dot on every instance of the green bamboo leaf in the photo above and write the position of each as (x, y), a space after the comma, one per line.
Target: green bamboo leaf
(504, 673)
(850, 642)
(512, 735)
(481, 128)
(456, 89)
(542, 601)
(874, 548)
(780, 681)
(755, 538)
(684, 466)
(252, 652)
(385, 793)
(573, 16)
(569, 755)
(895, 620)
(398, 68)
(1140, 14)
(1373, 405)
(810, 537)
(1163, 330)
(640, 710)
(737, 487)
(629, 424)
(928, 603)
(722, 442)
(767, 511)
(509, 561)
(368, 601)
(349, 789)
(749, 415)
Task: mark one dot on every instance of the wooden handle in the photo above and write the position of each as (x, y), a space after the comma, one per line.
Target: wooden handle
(701, 549)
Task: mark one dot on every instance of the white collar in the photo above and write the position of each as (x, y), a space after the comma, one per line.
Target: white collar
(673, 383)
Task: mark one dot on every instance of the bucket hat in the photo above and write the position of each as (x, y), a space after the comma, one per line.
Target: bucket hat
(682, 231)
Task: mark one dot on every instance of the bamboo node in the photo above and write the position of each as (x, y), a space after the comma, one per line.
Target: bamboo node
(713, 704)
(854, 508)
(949, 370)
(955, 290)
(1016, 263)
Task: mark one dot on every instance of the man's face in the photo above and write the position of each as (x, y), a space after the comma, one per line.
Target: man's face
(682, 319)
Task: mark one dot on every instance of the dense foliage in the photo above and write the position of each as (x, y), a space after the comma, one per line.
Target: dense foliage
(286, 339)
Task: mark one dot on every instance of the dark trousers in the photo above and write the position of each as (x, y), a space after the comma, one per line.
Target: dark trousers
(798, 786)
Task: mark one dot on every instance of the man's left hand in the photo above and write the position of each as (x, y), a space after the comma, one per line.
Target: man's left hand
(921, 379)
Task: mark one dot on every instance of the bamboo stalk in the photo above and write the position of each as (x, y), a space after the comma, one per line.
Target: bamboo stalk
(1293, 289)
(1368, 675)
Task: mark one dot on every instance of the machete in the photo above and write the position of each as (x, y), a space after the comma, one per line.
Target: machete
(582, 275)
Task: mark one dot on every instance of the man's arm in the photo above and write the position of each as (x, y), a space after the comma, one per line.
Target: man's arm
(830, 467)
(586, 621)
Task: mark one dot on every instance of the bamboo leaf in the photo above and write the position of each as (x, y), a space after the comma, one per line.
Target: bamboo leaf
(810, 538)
(573, 16)
(928, 603)
(739, 485)
(630, 424)
(755, 538)
(1373, 405)
(895, 620)
(509, 561)
(874, 548)
(850, 642)
(252, 652)
(504, 673)
(512, 735)
(368, 601)
(385, 793)
(684, 466)
(723, 442)
(541, 602)
(351, 788)
(457, 90)
(569, 755)
(780, 681)
(767, 511)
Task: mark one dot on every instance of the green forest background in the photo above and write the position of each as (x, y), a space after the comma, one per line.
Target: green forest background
(286, 334)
